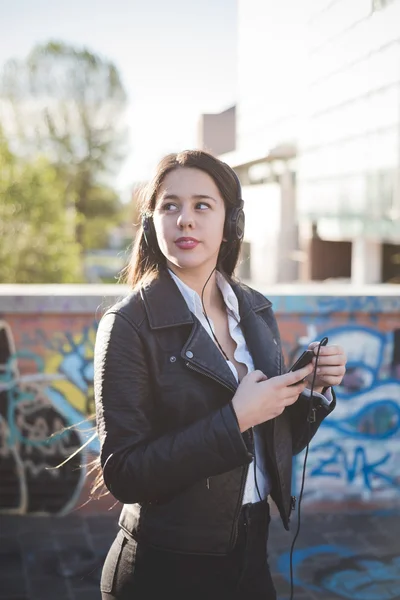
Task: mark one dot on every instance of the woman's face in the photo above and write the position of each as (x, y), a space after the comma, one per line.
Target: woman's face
(189, 220)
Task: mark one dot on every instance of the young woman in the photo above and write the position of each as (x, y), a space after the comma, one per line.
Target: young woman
(197, 420)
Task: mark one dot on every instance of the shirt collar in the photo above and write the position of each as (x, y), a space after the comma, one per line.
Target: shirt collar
(193, 299)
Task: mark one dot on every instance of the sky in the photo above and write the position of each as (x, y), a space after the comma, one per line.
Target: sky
(177, 59)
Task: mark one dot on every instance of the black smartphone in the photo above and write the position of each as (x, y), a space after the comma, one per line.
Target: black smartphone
(305, 358)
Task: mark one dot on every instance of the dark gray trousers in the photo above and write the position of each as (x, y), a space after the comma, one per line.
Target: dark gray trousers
(134, 572)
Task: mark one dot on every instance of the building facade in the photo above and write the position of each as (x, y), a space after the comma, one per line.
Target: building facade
(349, 148)
(318, 119)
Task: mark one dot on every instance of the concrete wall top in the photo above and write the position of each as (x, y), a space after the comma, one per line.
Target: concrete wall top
(290, 298)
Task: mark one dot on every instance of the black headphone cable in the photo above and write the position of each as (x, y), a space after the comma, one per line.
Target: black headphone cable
(310, 419)
(205, 314)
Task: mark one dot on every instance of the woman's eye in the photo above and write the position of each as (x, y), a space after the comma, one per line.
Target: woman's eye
(171, 207)
(168, 207)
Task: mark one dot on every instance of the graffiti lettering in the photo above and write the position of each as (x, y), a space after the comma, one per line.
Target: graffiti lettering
(340, 465)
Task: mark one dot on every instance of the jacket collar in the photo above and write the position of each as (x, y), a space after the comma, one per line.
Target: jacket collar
(164, 304)
(166, 307)
(249, 300)
(263, 346)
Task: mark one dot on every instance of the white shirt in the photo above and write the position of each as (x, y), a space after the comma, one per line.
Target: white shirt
(242, 355)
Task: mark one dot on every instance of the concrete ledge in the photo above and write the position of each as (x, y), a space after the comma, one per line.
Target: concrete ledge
(67, 299)
(290, 298)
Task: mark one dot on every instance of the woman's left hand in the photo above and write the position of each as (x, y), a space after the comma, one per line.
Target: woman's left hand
(331, 366)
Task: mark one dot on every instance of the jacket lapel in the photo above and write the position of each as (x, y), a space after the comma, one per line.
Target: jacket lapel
(202, 354)
(263, 346)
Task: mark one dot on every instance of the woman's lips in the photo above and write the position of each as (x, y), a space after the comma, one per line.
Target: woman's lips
(186, 243)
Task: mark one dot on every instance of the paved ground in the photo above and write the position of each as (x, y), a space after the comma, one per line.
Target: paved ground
(349, 555)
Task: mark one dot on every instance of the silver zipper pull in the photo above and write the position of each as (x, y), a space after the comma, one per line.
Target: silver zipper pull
(312, 417)
(208, 483)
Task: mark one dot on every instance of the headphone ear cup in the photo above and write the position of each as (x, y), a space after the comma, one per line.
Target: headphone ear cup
(240, 222)
(235, 225)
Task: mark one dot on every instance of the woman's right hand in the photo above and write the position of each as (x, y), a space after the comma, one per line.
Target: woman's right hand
(260, 399)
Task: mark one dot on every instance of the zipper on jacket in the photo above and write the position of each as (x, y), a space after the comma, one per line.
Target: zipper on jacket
(241, 493)
(312, 418)
(215, 379)
(238, 508)
(208, 374)
(246, 468)
(273, 460)
(287, 518)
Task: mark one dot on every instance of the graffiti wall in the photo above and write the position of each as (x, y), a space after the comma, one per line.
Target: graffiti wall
(356, 455)
(46, 399)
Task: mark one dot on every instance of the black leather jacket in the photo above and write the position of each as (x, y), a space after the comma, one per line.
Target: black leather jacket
(171, 447)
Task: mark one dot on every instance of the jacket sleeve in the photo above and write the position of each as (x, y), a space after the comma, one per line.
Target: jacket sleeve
(138, 466)
(302, 430)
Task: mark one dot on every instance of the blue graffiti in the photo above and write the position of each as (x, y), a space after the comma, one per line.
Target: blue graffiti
(345, 573)
(359, 444)
(350, 469)
(76, 366)
(377, 421)
(40, 427)
(304, 555)
(357, 304)
(326, 305)
(365, 354)
(15, 397)
(364, 578)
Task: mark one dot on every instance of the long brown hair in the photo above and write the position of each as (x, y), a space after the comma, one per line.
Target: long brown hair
(144, 262)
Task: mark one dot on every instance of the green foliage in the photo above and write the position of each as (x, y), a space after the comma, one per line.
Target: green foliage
(103, 210)
(67, 104)
(37, 242)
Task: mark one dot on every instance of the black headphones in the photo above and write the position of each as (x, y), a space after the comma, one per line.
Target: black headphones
(233, 228)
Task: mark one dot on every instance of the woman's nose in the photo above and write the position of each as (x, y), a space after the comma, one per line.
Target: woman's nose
(185, 218)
